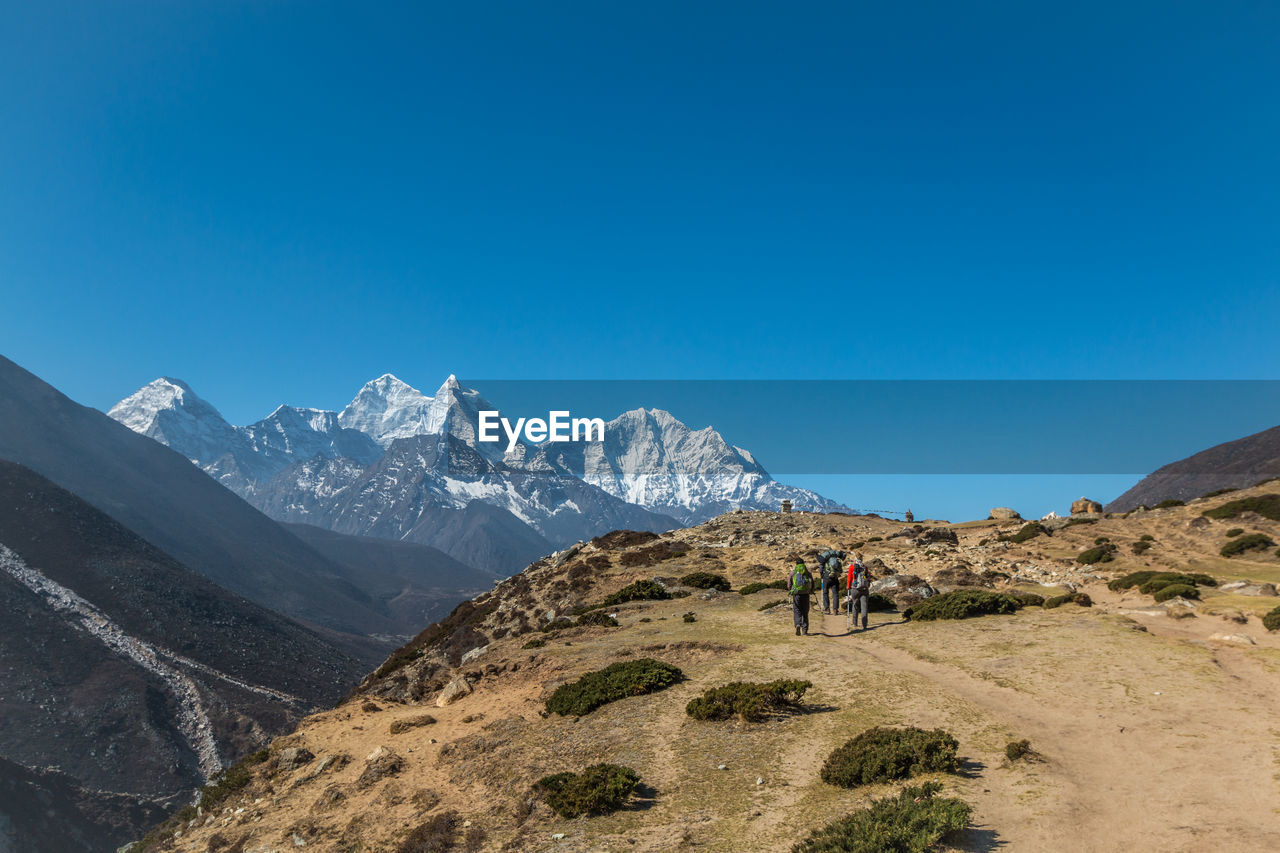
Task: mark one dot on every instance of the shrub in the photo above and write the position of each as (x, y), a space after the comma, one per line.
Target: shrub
(598, 790)
(1146, 537)
(1169, 502)
(706, 580)
(1234, 532)
(1176, 590)
(231, 779)
(1272, 620)
(771, 604)
(535, 643)
(1028, 531)
(616, 681)
(597, 619)
(1100, 554)
(638, 591)
(1072, 522)
(1267, 506)
(914, 821)
(690, 617)
(436, 835)
(747, 589)
(1140, 547)
(875, 539)
(752, 701)
(856, 545)
(1016, 749)
(1217, 492)
(884, 754)
(1143, 580)
(1029, 599)
(557, 624)
(1101, 540)
(1249, 542)
(962, 604)
(1079, 598)
(878, 602)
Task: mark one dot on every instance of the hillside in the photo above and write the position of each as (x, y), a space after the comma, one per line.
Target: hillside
(1151, 724)
(1231, 465)
(131, 674)
(159, 495)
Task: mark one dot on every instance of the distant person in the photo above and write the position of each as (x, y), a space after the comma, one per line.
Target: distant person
(830, 569)
(800, 586)
(859, 591)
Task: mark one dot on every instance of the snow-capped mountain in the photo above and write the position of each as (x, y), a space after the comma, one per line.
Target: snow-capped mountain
(396, 463)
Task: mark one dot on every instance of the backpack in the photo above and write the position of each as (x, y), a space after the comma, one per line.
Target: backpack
(801, 582)
(861, 580)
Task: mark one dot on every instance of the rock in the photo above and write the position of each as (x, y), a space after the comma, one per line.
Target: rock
(1232, 639)
(380, 763)
(1198, 523)
(292, 758)
(935, 535)
(298, 840)
(474, 653)
(1004, 513)
(453, 691)
(1084, 506)
(1235, 616)
(722, 767)
(958, 575)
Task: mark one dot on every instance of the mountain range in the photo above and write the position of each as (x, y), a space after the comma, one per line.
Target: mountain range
(398, 464)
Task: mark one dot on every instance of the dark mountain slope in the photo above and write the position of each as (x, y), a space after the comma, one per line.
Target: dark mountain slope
(128, 671)
(162, 497)
(1233, 465)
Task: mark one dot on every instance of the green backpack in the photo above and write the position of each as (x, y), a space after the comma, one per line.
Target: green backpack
(801, 582)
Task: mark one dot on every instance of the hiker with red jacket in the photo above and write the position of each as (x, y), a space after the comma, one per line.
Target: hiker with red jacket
(859, 586)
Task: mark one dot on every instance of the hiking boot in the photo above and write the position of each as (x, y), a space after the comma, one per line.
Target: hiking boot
(797, 630)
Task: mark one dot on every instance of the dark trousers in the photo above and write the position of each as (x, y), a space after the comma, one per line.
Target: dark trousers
(859, 602)
(831, 595)
(800, 611)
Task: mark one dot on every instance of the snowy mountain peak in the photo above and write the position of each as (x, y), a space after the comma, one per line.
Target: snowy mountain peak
(451, 382)
(386, 409)
(171, 413)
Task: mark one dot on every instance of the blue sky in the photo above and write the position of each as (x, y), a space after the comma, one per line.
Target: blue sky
(278, 201)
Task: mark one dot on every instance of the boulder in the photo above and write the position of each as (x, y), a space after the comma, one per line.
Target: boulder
(453, 691)
(1232, 639)
(1004, 513)
(1084, 506)
(959, 575)
(937, 535)
(293, 758)
(380, 763)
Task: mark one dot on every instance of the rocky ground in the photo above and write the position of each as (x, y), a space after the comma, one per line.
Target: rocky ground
(1154, 725)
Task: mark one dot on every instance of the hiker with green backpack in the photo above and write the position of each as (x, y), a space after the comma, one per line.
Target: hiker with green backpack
(830, 570)
(800, 586)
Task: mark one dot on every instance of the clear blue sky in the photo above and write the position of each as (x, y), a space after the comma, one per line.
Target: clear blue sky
(278, 201)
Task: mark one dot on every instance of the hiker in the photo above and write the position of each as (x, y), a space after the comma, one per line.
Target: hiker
(799, 587)
(829, 563)
(859, 591)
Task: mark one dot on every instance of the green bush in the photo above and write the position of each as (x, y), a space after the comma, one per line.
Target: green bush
(1101, 554)
(915, 821)
(962, 604)
(1176, 590)
(1029, 599)
(616, 681)
(878, 602)
(1145, 577)
(1072, 522)
(875, 539)
(1249, 542)
(597, 619)
(1169, 502)
(706, 580)
(535, 643)
(1267, 506)
(638, 591)
(1140, 547)
(1101, 540)
(598, 790)
(1234, 532)
(1079, 598)
(771, 604)
(1029, 531)
(1016, 749)
(1146, 537)
(747, 589)
(690, 617)
(884, 754)
(1272, 620)
(752, 701)
(438, 834)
